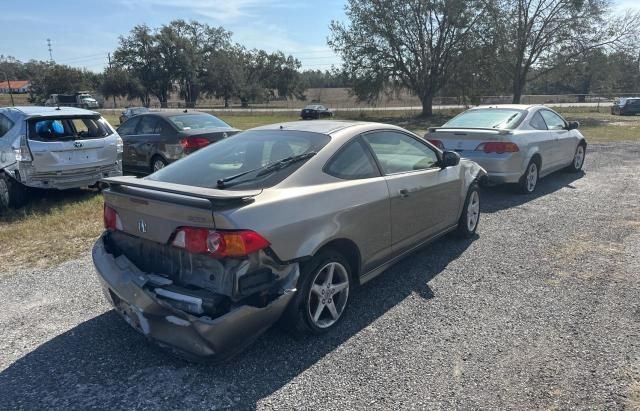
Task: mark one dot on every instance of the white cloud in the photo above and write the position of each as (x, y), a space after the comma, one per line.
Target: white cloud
(219, 10)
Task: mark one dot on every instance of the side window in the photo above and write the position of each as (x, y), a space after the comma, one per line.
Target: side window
(554, 121)
(5, 125)
(353, 161)
(398, 152)
(128, 127)
(537, 122)
(162, 127)
(147, 125)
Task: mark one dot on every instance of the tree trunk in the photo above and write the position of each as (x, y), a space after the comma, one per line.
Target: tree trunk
(427, 105)
(518, 87)
(114, 101)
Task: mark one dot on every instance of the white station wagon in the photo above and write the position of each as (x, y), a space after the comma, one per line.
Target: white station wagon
(514, 143)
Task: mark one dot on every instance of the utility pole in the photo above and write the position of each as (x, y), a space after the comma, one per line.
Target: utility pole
(50, 51)
(9, 84)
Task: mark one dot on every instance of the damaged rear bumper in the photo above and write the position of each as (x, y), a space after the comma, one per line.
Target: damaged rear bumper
(130, 292)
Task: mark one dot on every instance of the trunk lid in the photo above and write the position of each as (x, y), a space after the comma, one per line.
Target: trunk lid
(153, 210)
(467, 139)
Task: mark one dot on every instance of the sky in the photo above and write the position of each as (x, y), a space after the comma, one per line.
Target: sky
(82, 32)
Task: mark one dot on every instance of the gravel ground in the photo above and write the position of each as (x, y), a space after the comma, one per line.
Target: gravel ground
(540, 310)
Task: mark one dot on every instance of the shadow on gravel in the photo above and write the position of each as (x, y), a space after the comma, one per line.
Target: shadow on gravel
(505, 196)
(104, 359)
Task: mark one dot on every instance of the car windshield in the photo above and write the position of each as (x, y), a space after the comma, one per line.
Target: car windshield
(68, 128)
(197, 121)
(312, 107)
(487, 118)
(247, 151)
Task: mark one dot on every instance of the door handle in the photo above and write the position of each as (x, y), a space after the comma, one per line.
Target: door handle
(404, 193)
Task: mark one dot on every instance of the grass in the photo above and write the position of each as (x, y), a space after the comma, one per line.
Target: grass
(59, 226)
(54, 227)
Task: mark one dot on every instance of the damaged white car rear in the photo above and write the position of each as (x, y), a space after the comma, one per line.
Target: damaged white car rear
(54, 148)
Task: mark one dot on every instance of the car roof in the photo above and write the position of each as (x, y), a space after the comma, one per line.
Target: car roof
(508, 106)
(171, 113)
(40, 111)
(317, 126)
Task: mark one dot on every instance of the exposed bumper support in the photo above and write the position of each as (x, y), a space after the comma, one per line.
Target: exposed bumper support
(128, 290)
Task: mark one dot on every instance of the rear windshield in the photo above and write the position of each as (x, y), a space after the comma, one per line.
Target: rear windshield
(68, 128)
(246, 151)
(487, 118)
(197, 121)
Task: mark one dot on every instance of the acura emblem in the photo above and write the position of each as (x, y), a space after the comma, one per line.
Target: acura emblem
(142, 226)
(77, 144)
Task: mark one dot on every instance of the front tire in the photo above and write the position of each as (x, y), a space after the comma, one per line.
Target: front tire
(12, 193)
(468, 222)
(323, 294)
(529, 181)
(578, 158)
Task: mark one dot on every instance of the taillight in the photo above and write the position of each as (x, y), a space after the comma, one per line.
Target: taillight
(498, 147)
(21, 149)
(437, 143)
(219, 243)
(112, 220)
(194, 143)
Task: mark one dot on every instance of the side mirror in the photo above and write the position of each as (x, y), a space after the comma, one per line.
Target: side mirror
(450, 159)
(573, 125)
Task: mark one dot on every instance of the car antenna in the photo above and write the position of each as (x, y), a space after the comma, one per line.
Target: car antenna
(185, 110)
(281, 127)
(58, 108)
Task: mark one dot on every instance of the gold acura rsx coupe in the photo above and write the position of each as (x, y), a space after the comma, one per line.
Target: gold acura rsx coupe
(276, 222)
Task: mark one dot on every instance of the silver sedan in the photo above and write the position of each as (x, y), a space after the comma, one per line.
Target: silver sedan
(514, 143)
(283, 220)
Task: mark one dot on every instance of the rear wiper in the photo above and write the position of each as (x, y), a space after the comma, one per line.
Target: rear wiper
(267, 168)
(506, 121)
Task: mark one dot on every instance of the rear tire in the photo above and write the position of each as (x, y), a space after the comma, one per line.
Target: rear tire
(12, 193)
(529, 180)
(578, 158)
(157, 163)
(323, 294)
(470, 217)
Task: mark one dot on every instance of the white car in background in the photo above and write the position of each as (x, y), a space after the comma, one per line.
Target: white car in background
(513, 143)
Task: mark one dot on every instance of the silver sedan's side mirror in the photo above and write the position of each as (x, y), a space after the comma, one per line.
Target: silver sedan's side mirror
(573, 125)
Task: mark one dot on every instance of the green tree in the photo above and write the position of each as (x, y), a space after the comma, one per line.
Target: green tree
(409, 44)
(140, 54)
(541, 35)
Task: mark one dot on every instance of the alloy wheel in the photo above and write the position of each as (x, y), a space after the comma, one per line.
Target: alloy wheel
(473, 211)
(532, 177)
(579, 157)
(328, 295)
(158, 165)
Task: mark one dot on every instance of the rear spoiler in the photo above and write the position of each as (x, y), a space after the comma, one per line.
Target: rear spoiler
(500, 131)
(211, 194)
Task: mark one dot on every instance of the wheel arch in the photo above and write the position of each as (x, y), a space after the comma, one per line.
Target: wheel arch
(349, 250)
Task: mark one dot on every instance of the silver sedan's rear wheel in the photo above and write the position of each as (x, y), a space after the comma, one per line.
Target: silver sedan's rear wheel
(529, 180)
(323, 294)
